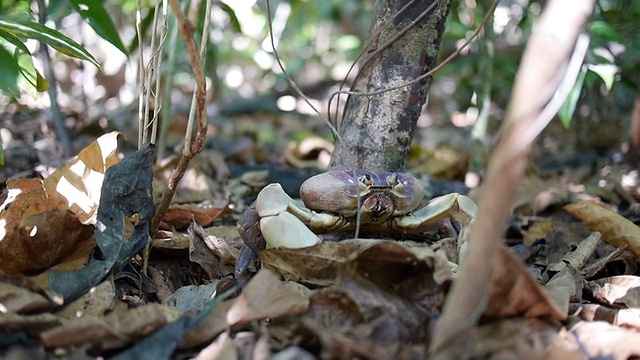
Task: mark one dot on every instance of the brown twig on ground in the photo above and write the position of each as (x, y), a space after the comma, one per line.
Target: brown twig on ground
(544, 65)
(193, 144)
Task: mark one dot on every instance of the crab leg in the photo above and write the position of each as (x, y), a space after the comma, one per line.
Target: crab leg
(450, 205)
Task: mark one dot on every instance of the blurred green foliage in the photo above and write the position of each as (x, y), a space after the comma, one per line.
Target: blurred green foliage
(318, 41)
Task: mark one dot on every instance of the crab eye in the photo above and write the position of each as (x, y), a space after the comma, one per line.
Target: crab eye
(399, 188)
(391, 179)
(366, 180)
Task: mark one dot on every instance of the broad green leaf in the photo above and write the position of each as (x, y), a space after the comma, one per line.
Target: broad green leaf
(9, 72)
(233, 19)
(29, 29)
(29, 79)
(98, 18)
(603, 30)
(569, 106)
(607, 72)
(13, 40)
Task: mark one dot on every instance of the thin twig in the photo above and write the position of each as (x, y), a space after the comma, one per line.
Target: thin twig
(141, 76)
(157, 105)
(191, 148)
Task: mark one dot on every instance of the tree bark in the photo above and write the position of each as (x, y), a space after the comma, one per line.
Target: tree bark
(377, 130)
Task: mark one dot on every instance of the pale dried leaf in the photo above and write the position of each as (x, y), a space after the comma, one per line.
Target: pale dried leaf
(265, 296)
(615, 229)
(623, 290)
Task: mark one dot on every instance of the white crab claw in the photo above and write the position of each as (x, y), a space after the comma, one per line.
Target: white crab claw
(272, 200)
(279, 227)
(285, 230)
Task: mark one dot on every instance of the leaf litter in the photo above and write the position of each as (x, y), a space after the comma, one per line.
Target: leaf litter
(568, 289)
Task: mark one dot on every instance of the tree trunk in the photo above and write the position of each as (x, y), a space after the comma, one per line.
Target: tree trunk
(377, 129)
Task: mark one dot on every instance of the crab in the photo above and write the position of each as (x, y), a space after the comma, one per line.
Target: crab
(345, 201)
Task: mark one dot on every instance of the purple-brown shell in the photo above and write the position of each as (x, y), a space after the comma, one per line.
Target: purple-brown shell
(337, 191)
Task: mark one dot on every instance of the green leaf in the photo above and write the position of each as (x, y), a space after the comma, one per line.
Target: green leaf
(29, 78)
(607, 72)
(9, 72)
(569, 107)
(98, 18)
(233, 19)
(21, 27)
(604, 31)
(13, 41)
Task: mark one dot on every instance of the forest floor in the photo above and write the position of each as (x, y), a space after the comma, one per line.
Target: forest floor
(66, 292)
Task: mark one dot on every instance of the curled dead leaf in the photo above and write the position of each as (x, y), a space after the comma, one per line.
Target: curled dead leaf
(615, 229)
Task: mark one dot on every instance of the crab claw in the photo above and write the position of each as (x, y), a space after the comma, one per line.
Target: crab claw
(279, 227)
(451, 205)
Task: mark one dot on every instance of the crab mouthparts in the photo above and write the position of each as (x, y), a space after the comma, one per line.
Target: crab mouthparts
(377, 207)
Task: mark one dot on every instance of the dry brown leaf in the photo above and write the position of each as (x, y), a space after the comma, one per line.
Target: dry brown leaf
(113, 331)
(209, 328)
(33, 325)
(180, 216)
(538, 230)
(43, 219)
(317, 265)
(514, 292)
(604, 341)
(265, 296)
(222, 348)
(623, 290)
(594, 312)
(615, 229)
(40, 240)
(94, 303)
(15, 299)
(19, 293)
(216, 264)
(79, 182)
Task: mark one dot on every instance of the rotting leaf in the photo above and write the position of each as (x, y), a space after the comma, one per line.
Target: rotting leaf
(615, 229)
(126, 207)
